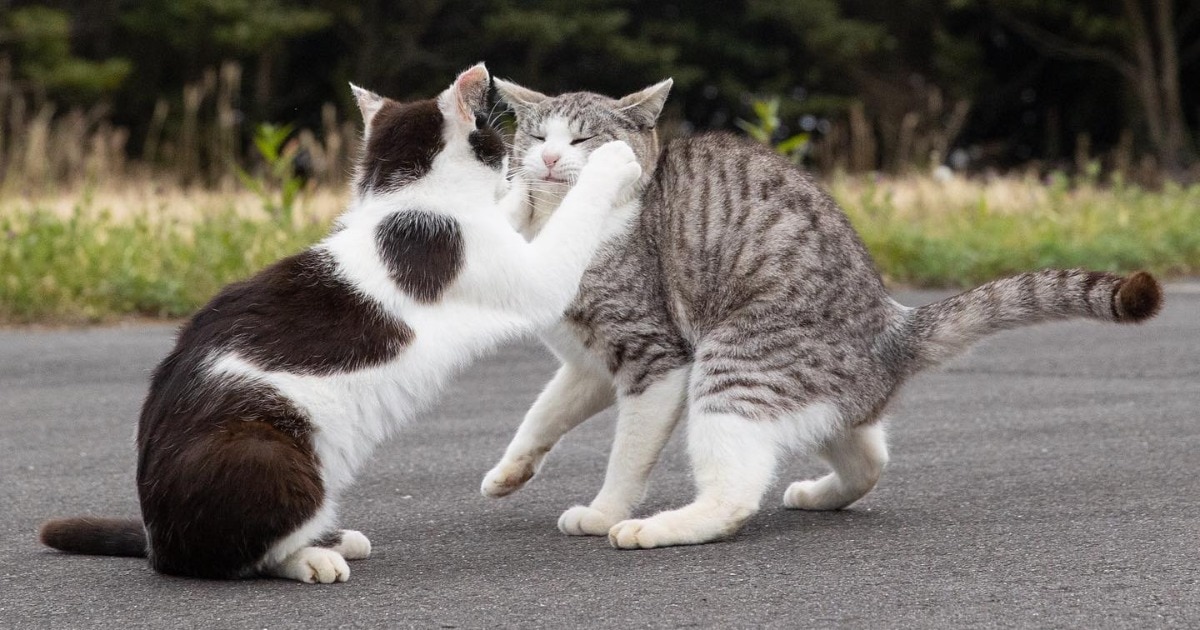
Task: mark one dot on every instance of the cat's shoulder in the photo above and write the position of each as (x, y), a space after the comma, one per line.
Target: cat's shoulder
(710, 140)
(714, 146)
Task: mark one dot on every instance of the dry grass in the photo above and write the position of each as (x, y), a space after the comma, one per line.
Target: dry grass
(153, 249)
(195, 139)
(928, 232)
(152, 200)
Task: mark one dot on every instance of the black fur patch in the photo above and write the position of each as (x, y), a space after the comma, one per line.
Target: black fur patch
(404, 139)
(297, 315)
(225, 470)
(488, 146)
(1137, 298)
(95, 536)
(423, 251)
(329, 539)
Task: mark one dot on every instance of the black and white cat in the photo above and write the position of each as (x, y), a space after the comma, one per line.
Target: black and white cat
(278, 389)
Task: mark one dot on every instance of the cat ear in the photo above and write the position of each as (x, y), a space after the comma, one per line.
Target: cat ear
(468, 95)
(369, 103)
(516, 96)
(647, 104)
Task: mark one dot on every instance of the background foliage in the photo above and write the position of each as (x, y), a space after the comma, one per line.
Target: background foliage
(877, 85)
(152, 151)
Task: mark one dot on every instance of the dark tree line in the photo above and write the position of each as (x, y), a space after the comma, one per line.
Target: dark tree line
(878, 84)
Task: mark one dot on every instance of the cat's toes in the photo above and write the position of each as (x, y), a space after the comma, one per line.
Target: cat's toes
(582, 520)
(315, 565)
(507, 477)
(354, 545)
(640, 534)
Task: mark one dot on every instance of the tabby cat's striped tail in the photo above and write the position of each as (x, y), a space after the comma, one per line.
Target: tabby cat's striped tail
(937, 331)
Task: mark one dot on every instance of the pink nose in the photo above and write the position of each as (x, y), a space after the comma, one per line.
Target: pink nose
(550, 159)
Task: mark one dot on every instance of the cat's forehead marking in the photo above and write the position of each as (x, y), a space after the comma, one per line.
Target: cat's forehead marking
(587, 109)
(403, 140)
(558, 125)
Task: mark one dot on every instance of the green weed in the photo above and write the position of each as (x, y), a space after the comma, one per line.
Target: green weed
(87, 267)
(277, 186)
(167, 259)
(968, 239)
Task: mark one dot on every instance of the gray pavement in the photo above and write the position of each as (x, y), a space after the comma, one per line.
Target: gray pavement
(1048, 479)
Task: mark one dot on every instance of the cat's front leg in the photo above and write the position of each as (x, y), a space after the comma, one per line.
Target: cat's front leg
(644, 424)
(536, 281)
(516, 206)
(575, 394)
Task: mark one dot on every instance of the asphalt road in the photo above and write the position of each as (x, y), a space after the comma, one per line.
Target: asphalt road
(1048, 479)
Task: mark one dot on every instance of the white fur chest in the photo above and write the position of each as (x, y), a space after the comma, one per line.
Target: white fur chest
(353, 411)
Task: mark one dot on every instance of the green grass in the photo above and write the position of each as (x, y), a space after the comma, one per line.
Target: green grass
(967, 240)
(86, 266)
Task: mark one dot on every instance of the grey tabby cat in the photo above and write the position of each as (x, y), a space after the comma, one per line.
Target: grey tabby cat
(743, 296)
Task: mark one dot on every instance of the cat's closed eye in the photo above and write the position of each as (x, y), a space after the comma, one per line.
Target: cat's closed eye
(581, 140)
(538, 138)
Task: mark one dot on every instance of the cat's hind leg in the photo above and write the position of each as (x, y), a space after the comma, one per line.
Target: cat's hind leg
(857, 458)
(733, 461)
(306, 554)
(644, 424)
(312, 565)
(323, 561)
(745, 407)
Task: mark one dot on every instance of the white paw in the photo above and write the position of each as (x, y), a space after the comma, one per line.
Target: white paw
(508, 476)
(825, 493)
(315, 565)
(615, 161)
(354, 545)
(582, 520)
(641, 534)
(801, 495)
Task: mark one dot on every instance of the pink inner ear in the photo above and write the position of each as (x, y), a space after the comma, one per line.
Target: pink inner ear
(472, 77)
(469, 87)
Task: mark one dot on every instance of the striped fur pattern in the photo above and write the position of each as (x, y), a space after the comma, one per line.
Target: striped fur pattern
(744, 291)
(277, 390)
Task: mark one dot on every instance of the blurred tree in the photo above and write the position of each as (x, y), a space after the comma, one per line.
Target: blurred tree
(1143, 41)
(38, 40)
(895, 79)
(553, 45)
(200, 34)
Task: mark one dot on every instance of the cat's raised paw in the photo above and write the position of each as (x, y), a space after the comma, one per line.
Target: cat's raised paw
(508, 476)
(314, 565)
(582, 520)
(640, 534)
(615, 159)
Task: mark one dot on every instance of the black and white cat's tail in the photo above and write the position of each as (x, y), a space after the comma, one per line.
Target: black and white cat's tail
(933, 333)
(95, 536)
